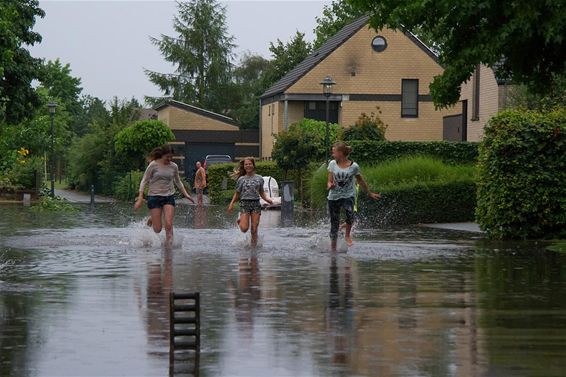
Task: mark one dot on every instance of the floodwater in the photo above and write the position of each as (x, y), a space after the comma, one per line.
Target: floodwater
(86, 294)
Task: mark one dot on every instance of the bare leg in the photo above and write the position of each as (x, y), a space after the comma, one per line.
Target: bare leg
(348, 238)
(169, 212)
(199, 200)
(255, 225)
(333, 243)
(155, 218)
(244, 222)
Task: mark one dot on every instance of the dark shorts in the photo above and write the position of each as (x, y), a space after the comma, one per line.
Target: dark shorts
(334, 209)
(250, 206)
(154, 201)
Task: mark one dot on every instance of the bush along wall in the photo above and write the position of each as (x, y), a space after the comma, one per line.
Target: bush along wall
(373, 152)
(522, 175)
(433, 203)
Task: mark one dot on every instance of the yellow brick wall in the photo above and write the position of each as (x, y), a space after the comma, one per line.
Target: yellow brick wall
(296, 111)
(163, 115)
(428, 126)
(376, 72)
(489, 101)
(270, 125)
(178, 119)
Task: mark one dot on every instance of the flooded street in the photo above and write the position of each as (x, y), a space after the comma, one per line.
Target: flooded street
(86, 294)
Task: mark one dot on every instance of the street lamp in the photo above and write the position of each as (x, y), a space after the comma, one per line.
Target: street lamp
(327, 84)
(52, 107)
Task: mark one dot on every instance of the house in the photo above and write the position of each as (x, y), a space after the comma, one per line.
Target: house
(387, 69)
(200, 132)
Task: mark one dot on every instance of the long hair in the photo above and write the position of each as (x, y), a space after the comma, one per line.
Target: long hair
(240, 171)
(343, 147)
(158, 152)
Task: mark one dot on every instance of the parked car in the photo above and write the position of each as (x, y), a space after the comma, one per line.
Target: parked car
(213, 159)
(271, 188)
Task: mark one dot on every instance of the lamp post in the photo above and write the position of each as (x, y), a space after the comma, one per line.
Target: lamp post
(327, 84)
(52, 107)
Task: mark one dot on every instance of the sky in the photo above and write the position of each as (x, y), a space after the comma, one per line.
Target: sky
(107, 43)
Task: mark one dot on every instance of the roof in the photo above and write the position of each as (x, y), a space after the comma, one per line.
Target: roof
(326, 49)
(196, 110)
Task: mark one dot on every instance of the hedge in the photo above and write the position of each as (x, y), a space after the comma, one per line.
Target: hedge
(522, 175)
(372, 152)
(433, 203)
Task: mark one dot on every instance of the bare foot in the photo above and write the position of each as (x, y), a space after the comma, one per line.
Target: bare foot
(149, 222)
(349, 241)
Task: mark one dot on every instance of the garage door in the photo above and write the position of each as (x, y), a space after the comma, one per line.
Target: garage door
(198, 151)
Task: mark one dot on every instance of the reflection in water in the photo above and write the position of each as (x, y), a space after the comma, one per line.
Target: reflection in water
(402, 302)
(339, 313)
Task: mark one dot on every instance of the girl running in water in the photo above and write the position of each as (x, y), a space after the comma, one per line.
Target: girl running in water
(160, 175)
(249, 189)
(342, 175)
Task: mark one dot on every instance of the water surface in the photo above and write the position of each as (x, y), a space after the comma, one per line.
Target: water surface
(86, 294)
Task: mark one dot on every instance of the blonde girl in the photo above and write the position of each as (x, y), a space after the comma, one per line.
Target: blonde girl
(342, 177)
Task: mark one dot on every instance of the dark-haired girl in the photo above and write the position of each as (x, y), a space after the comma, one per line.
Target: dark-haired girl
(249, 189)
(161, 177)
(342, 176)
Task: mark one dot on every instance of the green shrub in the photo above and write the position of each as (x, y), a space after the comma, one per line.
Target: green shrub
(372, 152)
(522, 175)
(367, 127)
(48, 203)
(414, 190)
(127, 187)
(304, 142)
(134, 142)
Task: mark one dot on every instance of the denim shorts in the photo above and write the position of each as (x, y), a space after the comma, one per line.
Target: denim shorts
(250, 206)
(155, 201)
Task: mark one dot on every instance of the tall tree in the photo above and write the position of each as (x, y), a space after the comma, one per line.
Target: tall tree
(18, 68)
(286, 56)
(201, 53)
(524, 39)
(248, 85)
(334, 17)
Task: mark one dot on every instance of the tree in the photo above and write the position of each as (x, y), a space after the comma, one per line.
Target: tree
(523, 39)
(248, 85)
(201, 53)
(286, 56)
(134, 142)
(334, 17)
(18, 68)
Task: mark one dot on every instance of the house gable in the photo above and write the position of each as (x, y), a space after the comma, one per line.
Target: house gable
(359, 70)
(181, 116)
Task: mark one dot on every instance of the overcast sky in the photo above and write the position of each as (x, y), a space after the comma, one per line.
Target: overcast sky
(107, 42)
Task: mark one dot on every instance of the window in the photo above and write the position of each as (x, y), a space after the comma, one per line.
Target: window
(317, 110)
(379, 44)
(409, 98)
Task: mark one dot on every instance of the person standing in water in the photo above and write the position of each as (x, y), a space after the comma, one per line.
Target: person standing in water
(200, 182)
(342, 175)
(249, 189)
(160, 176)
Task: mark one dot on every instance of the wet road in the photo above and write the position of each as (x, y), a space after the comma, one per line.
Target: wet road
(85, 294)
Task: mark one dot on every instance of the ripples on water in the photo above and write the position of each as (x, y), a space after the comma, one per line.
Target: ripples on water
(88, 296)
